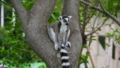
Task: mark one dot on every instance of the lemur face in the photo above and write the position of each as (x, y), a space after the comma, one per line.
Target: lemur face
(65, 19)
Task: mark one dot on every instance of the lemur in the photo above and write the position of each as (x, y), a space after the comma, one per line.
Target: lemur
(60, 32)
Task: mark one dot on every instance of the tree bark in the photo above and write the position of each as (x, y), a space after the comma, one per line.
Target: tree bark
(34, 23)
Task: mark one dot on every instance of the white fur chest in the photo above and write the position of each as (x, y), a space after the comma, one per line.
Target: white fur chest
(63, 29)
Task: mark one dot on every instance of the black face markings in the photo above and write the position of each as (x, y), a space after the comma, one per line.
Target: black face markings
(66, 66)
(64, 16)
(64, 20)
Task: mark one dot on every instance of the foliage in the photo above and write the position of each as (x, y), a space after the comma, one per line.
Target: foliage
(115, 34)
(112, 6)
(14, 51)
(86, 14)
(56, 12)
(14, 46)
(84, 57)
(28, 4)
(38, 65)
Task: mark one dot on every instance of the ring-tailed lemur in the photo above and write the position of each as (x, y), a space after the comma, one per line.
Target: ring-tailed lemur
(60, 32)
(64, 57)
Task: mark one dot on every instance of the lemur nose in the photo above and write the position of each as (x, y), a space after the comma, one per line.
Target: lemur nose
(67, 24)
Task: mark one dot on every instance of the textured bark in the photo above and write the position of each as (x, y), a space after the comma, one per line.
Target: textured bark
(34, 23)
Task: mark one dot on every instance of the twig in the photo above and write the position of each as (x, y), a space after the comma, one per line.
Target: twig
(96, 29)
(91, 15)
(90, 39)
(85, 7)
(101, 5)
(104, 12)
(90, 57)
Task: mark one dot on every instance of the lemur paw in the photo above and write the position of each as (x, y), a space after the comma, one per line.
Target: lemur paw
(56, 47)
(68, 44)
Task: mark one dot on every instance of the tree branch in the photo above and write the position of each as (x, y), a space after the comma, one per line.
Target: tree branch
(36, 30)
(85, 21)
(34, 23)
(101, 5)
(22, 13)
(44, 6)
(36, 33)
(104, 12)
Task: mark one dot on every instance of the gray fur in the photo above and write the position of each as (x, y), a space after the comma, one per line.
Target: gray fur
(59, 33)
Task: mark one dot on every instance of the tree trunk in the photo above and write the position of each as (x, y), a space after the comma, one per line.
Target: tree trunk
(71, 7)
(34, 23)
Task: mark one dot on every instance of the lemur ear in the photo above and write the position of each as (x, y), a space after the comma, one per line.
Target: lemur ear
(70, 17)
(60, 17)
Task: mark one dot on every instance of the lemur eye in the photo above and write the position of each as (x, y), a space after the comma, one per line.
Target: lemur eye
(64, 20)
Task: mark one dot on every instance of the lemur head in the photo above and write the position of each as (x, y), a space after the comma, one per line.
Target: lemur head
(64, 19)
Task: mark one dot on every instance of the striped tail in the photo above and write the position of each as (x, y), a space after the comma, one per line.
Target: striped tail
(64, 57)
